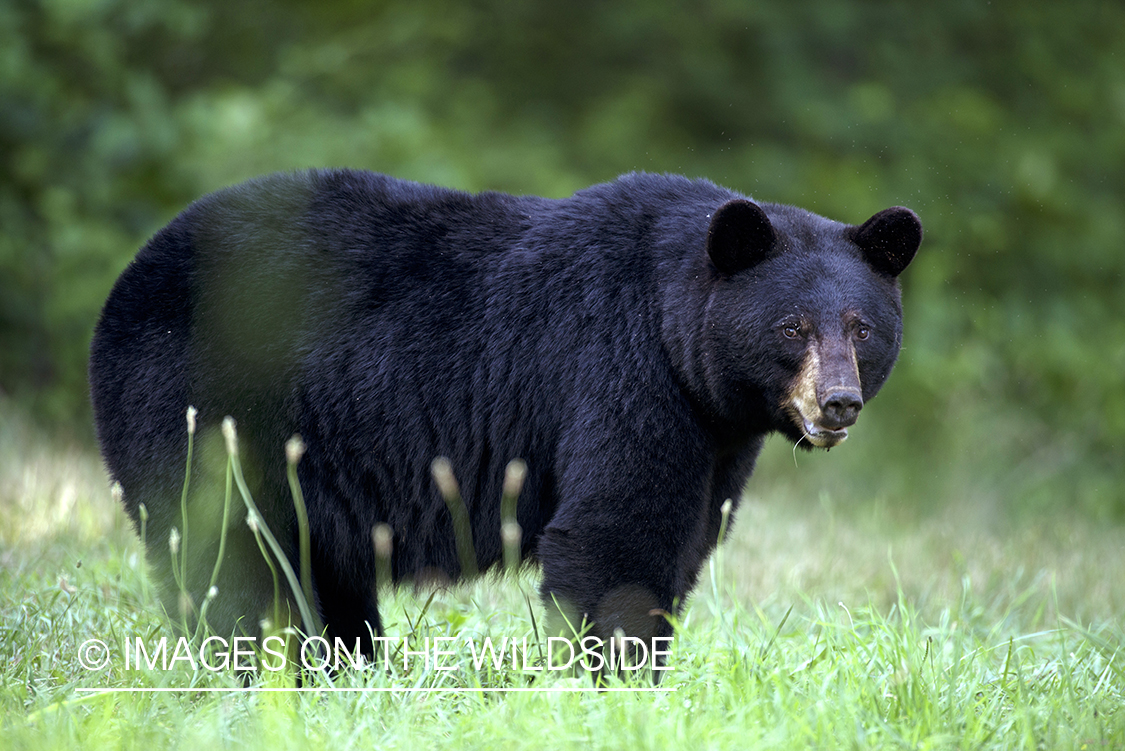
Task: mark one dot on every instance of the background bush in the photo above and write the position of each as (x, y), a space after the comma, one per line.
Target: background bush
(1002, 124)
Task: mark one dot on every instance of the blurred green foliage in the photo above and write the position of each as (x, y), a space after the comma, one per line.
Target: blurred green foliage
(1002, 124)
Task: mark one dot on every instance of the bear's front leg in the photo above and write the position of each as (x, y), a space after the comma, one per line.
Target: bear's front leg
(625, 545)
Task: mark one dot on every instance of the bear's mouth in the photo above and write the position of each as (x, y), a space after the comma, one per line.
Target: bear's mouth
(820, 436)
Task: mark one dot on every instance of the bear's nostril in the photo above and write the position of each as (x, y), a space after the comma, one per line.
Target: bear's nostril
(841, 409)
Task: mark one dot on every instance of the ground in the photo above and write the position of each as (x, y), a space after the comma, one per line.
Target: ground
(819, 624)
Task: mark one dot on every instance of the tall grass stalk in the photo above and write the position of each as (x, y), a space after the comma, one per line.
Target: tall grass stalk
(190, 417)
(309, 621)
(511, 534)
(294, 450)
(462, 527)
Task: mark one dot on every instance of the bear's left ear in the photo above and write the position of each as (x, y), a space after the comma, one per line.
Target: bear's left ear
(889, 239)
(740, 236)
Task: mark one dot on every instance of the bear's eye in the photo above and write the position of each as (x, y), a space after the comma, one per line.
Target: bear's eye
(791, 330)
(862, 333)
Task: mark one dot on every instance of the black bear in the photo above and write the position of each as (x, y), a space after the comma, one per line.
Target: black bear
(634, 344)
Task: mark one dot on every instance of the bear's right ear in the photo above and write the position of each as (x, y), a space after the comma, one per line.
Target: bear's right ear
(740, 236)
(889, 239)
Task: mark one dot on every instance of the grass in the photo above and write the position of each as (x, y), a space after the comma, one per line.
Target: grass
(820, 624)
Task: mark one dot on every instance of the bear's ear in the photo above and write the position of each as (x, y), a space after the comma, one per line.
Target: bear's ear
(889, 239)
(740, 236)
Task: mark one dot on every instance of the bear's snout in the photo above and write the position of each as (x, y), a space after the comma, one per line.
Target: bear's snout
(826, 395)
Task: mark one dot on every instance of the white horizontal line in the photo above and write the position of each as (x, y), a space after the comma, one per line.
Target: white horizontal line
(396, 690)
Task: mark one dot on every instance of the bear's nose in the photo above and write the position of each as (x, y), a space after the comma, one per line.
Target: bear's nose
(841, 408)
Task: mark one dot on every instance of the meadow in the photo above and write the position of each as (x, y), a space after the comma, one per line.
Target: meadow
(818, 624)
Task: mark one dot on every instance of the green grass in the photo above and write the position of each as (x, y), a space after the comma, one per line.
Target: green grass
(819, 624)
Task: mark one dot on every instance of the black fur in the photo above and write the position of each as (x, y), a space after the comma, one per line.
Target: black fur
(625, 342)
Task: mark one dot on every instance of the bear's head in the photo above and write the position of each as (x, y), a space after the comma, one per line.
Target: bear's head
(803, 320)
